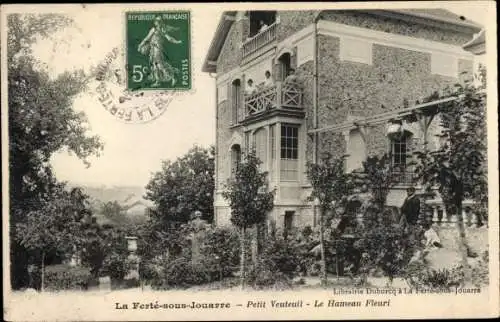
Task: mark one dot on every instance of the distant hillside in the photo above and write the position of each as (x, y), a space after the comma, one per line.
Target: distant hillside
(129, 197)
(122, 194)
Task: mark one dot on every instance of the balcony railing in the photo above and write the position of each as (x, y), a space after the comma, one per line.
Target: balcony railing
(286, 96)
(442, 218)
(405, 178)
(259, 40)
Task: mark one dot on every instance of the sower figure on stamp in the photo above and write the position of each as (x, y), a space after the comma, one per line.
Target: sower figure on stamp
(153, 47)
(410, 210)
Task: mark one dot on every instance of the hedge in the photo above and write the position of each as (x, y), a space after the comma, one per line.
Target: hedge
(65, 277)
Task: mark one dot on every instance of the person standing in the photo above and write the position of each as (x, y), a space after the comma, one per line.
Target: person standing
(268, 82)
(410, 209)
(250, 89)
(262, 26)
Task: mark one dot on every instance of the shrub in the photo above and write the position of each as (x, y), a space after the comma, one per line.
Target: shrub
(219, 258)
(480, 273)
(279, 262)
(182, 273)
(281, 255)
(65, 277)
(221, 250)
(152, 271)
(117, 266)
(384, 245)
(420, 276)
(262, 276)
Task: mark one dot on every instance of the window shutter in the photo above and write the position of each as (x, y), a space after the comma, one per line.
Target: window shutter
(230, 101)
(241, 107)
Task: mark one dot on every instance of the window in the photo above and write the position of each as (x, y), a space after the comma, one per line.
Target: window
(235, 100)
(284, 66)
(289, 152)
(235, 158)
(260, 18)
(400, 153)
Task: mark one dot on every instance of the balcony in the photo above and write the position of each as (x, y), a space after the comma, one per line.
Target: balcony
(442, 218)
(279, 98)
(259, 40)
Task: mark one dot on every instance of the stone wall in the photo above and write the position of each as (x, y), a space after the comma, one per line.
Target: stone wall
(293, 21)
(230, 55)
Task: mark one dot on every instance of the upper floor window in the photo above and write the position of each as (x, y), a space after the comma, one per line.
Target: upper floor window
(260, 21)
(289, 152)
(235, 100)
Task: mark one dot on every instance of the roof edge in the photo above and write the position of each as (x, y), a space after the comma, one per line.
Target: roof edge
(225, 21)
(471, 27)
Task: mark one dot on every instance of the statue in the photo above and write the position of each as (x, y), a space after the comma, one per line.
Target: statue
(198, 227)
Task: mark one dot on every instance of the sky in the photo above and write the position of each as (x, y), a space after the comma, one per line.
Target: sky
(133, 151)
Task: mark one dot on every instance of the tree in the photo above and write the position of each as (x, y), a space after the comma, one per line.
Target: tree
(377, 177)
(458, 166)
(104, 247)
(331, 185)
(249, 200)
(182, 187)
(56, 226)
(41, 122)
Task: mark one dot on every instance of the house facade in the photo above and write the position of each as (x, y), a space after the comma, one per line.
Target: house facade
(351, 67)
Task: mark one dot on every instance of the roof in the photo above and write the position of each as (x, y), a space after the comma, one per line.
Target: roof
(225, 22)
(439, 15)
(477, 44)
(442, 15)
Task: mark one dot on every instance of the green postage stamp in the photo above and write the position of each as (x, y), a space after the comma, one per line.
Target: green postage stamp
(158, 50)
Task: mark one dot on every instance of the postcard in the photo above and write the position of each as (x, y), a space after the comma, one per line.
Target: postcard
(249, 161)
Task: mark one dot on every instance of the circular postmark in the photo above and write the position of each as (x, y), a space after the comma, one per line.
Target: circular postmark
(128, 106)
